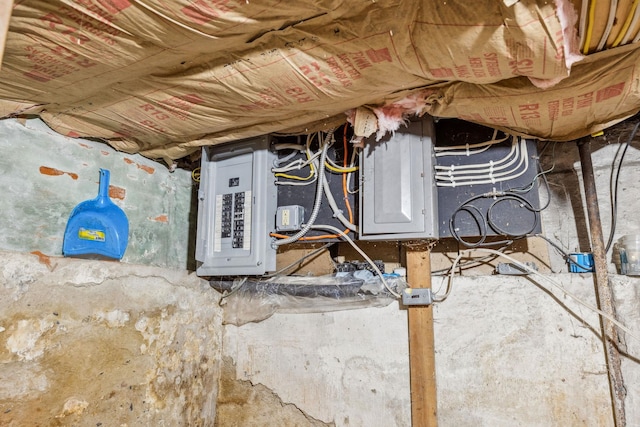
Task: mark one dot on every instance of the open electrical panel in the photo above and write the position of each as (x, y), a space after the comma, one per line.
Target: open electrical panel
(429, 180)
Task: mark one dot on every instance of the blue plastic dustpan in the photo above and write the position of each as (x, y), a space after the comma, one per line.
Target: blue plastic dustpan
(97, 228)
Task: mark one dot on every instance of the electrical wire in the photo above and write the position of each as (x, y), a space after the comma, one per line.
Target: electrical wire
(345, 183)
(349, 223)
(468, 149)
(298, 261)
(614, 187)
(318, 198)
(513, 194)
(564, 254)
(583, 20)
(523, 203)
(334, 207)
(354, 154)
(489, 222)
(613, 6)
(482, 166)
(633, 26)
(361, 252)
(489, 178)
(542, 173)
(468, 264)
(591, 19)
(339, 169)
(626, 25)
(235, 288)
(530, 270)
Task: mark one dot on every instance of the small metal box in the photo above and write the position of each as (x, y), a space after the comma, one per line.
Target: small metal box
(289, 218)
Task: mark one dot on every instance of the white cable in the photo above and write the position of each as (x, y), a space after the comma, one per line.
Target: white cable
(296, 164)
(338, 167)
(361, 252)
(490, 167)
(613, 6)
(490, 178)
(318, 199)
(297, 183)
(583, 22)
(352, 164)
(457, 150)
(334, 207)
(632, 26)
(278, 162)
(528, 269)
(488, 173)
(514, 147)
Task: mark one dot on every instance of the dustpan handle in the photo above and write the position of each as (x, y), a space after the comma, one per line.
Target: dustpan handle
(103, 191)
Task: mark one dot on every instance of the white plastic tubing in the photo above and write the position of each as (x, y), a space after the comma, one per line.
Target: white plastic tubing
(486, 173)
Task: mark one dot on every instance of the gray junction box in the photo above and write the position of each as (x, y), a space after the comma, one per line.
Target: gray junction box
(398, 197)
(236, 209)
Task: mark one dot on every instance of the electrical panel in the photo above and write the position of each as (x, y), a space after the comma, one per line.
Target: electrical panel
(236, 209)
(398, 198)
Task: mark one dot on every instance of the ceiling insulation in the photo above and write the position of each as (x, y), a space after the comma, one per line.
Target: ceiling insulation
(163, 77)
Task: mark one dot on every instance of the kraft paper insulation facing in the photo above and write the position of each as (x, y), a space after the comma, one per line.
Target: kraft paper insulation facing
(163, 77)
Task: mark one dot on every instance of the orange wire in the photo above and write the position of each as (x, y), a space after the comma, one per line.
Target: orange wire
(346, 199)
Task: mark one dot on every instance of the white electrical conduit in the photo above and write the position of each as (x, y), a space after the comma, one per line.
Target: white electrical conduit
(489, 169)
(483, 169)
(285, 159)
(318, 199)
(342, 234)
(334, 207)
(465, 146)
(296, 164)
(632, 26)
(514, 147)
(469, 149)
(636, 39)
(613, 7)
(490, 178)
(530, 270)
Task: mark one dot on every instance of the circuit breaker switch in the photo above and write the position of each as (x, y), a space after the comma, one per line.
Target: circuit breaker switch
(289, 218)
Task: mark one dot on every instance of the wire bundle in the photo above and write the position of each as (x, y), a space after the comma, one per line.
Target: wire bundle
(490, 172)
(317, 164)
(628, 32)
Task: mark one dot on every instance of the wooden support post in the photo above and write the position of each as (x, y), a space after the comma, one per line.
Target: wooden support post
(421, 342)
(603, 287)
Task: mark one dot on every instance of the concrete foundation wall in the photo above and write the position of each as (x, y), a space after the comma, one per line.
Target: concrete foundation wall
(89, 343)
(509, 351)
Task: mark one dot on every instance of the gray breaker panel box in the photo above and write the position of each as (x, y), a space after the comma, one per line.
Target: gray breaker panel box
(398, 198)
(236, 209)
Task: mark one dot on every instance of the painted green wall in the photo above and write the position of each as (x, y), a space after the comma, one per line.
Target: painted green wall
(43, 175)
